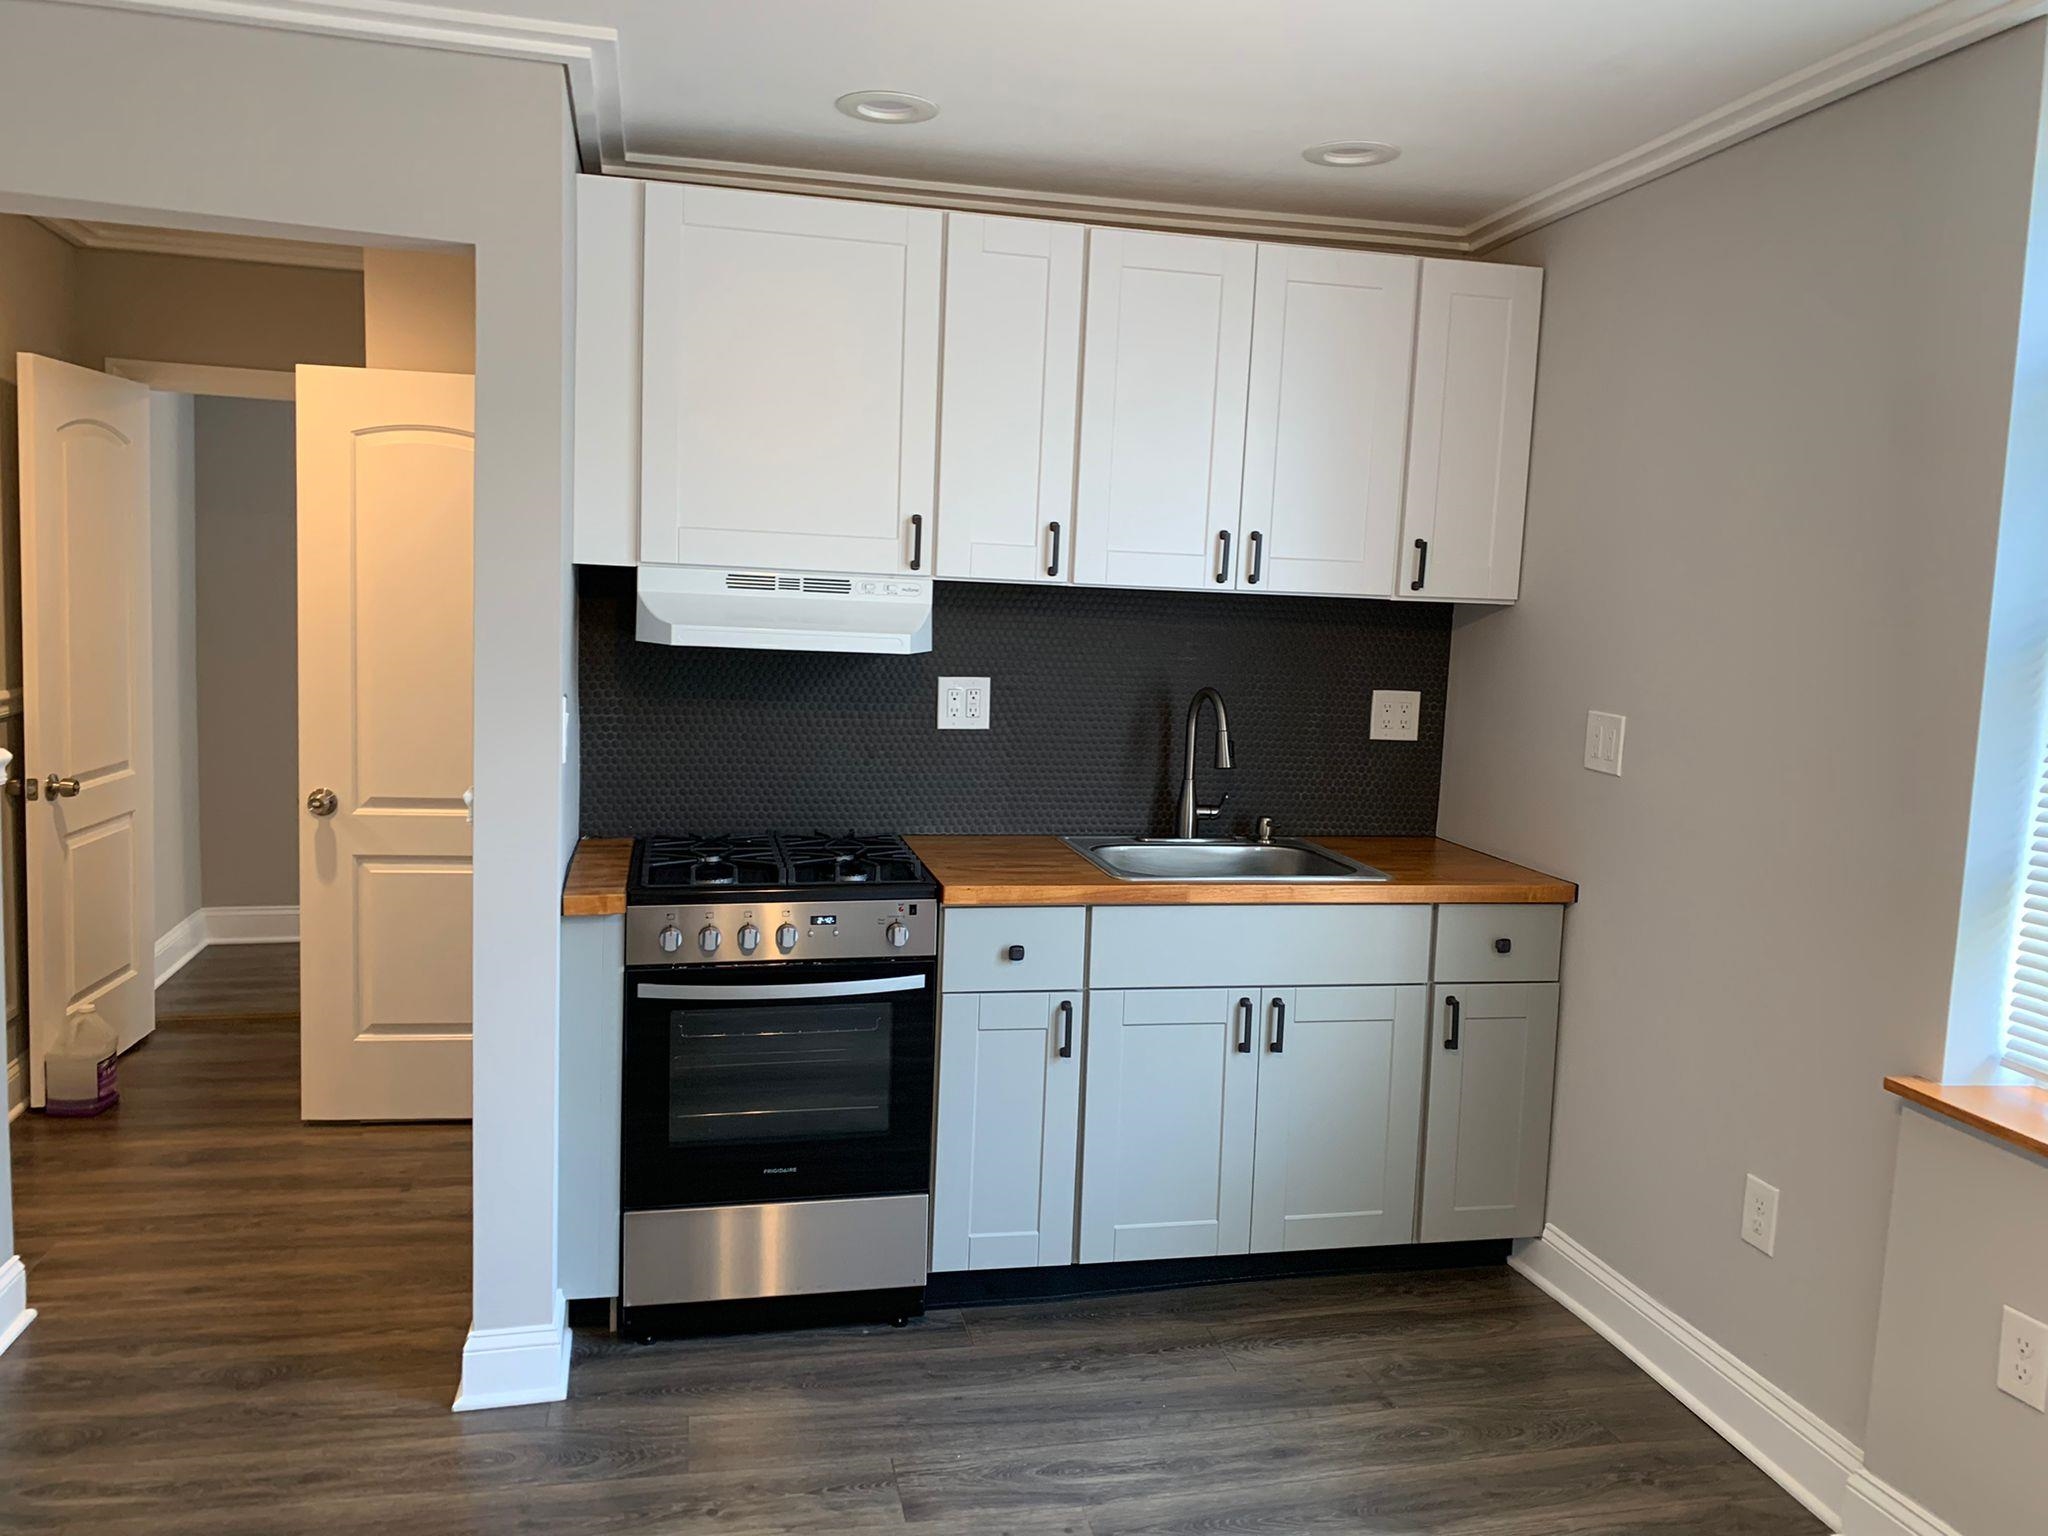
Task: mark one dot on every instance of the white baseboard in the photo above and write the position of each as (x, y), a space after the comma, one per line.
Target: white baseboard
(15, 1312)
(1875, 1508)
(502, 1367)
(17, 1086)
(175, 949)
(251, 925)
(1810, 1459)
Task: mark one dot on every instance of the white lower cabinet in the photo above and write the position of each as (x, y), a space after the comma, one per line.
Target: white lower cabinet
(1492, 1063)
(1008, 1129)
(1340, 1117)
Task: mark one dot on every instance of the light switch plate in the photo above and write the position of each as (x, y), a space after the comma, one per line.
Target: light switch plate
(1603, 741)
(1396, 714)
(963, 703)
(2023, 1359)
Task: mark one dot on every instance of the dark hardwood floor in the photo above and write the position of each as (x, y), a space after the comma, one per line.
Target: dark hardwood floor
(251, 1326)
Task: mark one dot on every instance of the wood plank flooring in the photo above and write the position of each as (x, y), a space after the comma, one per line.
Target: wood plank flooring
(250, 1325)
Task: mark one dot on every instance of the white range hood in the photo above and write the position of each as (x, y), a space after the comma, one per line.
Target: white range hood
(764, 610)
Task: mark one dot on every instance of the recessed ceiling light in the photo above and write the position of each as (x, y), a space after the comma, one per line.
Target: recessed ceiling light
(887, 107)
(1348, 154)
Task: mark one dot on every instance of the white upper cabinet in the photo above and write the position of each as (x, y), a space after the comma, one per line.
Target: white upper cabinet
(1163, 378)
(1012, 380)
(790, 381)
(1326, 434)
(1468, 443)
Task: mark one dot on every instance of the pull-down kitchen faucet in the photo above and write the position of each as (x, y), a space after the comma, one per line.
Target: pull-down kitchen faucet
(1190, 810)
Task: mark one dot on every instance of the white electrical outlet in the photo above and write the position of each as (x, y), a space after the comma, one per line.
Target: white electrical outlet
(1603, 741)
(1760, 1215)
(963, 703)
(1396, 715)
(2023, 1360)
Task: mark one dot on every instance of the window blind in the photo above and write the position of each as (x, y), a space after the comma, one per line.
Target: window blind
(2026, 1020)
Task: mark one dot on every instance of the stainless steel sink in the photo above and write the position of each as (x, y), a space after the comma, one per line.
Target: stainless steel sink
(1225, 861)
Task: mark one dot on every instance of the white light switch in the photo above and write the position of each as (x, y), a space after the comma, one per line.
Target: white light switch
(1396, 715)
(963, 703)
(1603, 741)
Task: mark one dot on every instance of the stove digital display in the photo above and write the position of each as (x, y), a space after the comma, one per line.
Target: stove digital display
(825, 920)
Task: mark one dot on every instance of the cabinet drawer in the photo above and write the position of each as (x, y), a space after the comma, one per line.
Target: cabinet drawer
(1307, 946)
(974, 954)
(1469, 940)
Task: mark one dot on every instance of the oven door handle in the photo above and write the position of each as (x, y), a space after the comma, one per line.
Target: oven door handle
(776, 991)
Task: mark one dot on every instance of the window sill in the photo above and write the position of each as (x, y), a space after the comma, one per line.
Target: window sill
(2014, 1115)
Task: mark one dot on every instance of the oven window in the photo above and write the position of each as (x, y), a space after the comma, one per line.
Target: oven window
(778, 1073)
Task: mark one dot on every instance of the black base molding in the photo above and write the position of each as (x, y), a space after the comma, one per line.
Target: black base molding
(992, 1287)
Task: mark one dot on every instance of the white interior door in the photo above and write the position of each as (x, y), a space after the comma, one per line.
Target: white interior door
(86, 726)
(386, 491)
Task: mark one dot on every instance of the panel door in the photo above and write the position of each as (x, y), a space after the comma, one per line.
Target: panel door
(1340, 1117)
(1163, 381)
(386, 471)
(1486, 1154)
(1468, 442)
(1009, 1129)
(1168, 1117)
(85, 663)
(1012, 381)
(790, 381)
(1326, 433)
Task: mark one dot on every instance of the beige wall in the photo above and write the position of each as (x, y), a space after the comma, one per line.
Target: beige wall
(174, 659)
(232, 314)
(1764, 499)
(247, 561)
(419, 310)
(1969, 1238)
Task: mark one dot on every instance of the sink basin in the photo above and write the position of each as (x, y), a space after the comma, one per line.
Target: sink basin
(1222, 860)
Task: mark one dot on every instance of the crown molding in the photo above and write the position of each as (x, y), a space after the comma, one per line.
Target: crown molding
(588, 57)
(93, 235)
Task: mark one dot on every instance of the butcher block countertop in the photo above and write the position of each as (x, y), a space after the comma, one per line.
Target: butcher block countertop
(1045, 872)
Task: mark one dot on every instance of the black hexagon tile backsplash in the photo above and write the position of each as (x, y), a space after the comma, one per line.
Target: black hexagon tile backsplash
(1088, 691)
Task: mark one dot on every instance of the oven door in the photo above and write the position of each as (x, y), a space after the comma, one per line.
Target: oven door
(805, 1082)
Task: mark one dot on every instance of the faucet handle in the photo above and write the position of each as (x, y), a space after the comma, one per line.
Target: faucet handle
(1210, 812)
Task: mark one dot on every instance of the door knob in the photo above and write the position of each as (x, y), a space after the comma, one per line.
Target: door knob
(54, 786)
(322, 802)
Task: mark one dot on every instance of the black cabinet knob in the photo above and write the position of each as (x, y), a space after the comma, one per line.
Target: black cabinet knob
(1016, 951)
(1503, 946)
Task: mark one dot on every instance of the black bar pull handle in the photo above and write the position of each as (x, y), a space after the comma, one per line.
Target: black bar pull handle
(1421, 565)
(916, 541)
(1279, 1041)
(1066, 1028)
(1258, 557)
(1452, 1019)
(1052, 564)
(1223, 555)
(1244, 1025)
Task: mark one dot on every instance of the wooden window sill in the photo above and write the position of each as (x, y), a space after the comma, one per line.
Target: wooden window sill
(2014, 1115)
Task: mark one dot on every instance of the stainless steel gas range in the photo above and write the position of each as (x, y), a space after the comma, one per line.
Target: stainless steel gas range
(781, 1018)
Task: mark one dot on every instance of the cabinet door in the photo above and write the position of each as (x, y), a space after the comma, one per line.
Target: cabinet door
(790, 380)
(1163, 382)
(1172, 1084)
(1468, 444)
(1340, 1116)
(1012, 380)
(1326, 432)
(1486, 1154)
(1009, 1129)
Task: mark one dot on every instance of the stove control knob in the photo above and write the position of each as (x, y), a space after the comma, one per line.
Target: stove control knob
(707, 939)
(897, 934)
(670, 939)
(750, 938)
(785, 937)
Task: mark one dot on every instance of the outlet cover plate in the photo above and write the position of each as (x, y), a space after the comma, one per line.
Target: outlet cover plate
(1396, 714)
(2023, 1360)
(1760, 1216)
(1603, 741)
(963, 703)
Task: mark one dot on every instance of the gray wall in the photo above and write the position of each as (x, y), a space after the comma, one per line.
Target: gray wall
(247, 565)
(1764, 501)
(1969, 1237)
(174, 658)
(231, 314)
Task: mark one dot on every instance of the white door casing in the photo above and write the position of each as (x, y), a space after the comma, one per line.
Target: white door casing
(86, 671)
(386, 495)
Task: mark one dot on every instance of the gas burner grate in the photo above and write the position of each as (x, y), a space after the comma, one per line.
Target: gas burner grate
(672, 862)
(819, 859)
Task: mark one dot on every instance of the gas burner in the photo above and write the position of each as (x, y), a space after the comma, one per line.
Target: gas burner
(767, 863)
(677, 862)
(849, 860)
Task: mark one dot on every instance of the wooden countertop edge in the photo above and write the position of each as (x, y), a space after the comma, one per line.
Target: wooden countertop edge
(2015, 1115)
(595, 885)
